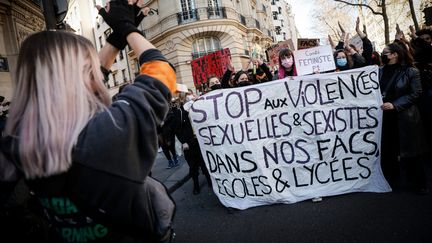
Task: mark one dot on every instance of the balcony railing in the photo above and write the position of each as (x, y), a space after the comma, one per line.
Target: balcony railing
(188, 16)
(200, 14)
(216, 13)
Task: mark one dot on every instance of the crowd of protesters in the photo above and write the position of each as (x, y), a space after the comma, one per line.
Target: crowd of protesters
(406, 86)
(405, 81)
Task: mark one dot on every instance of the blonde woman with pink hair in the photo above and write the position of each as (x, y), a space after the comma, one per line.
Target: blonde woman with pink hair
(85, 159)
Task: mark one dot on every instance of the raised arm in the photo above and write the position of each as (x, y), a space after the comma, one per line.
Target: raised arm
(117, 41)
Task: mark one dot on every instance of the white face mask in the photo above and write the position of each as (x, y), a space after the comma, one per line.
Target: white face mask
(287, 62)
(189, 98)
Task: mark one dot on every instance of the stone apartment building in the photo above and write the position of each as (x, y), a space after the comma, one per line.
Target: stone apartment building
(188, 29)
(283, 22)
(18, 19)
(182, 29)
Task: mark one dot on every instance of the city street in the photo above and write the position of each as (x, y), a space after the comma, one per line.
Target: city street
(322, 104)
(358, 217)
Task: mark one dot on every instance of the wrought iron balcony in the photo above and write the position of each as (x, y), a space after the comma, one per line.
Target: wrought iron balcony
(216, 13)
(187, 16)
(200, 14)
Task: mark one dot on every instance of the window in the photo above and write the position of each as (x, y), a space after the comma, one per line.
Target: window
(115, 79)
(204, 46)
(280, 10)
(124, 75)
(100, 42)
(213, 3)
(275, 15)
(188, 9)
(245, 46)
(214, 8)
(121, 55)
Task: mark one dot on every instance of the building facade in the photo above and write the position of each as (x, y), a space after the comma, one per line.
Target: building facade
(18, 19)
(283, 22)
(81, 18)
(120, 71)
(188, 29)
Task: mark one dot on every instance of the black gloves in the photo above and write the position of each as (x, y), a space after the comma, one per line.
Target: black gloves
(123, 19)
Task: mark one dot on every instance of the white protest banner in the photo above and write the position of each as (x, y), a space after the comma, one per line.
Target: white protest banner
(314, 60)
(293, 139)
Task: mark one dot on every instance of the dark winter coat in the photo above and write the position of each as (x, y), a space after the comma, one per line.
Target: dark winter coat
(107, 189)
(185, 132)
(404, 93)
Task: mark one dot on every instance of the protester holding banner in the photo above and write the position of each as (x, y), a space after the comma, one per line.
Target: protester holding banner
(242, 78)
(262, 72)
(191, 149)
(214, 83)
(286, 64)
(421, 43)
(348, 58)
(402, 133)
(343, 60)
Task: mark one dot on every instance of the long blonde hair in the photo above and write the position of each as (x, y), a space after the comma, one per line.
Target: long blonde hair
(57, 90)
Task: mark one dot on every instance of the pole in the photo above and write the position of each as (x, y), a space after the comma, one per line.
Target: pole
(48, 11)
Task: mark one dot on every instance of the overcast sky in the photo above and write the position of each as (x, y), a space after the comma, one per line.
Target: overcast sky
(302, 12)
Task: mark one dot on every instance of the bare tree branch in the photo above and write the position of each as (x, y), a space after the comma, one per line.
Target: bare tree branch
(360, 5)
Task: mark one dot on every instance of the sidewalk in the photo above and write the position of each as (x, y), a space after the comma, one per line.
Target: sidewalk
(172, 178)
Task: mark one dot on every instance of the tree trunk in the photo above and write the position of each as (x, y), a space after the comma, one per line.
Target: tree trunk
(413, 15)
(386, 22)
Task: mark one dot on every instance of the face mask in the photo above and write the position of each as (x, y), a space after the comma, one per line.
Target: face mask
(385, 60)
(287, 62)
(189, 98)
(216, 86)
(244, 83)
(341, 62)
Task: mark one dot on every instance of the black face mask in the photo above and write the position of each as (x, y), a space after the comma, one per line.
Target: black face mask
(385, 60)
(244, 83)
(216, 86)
